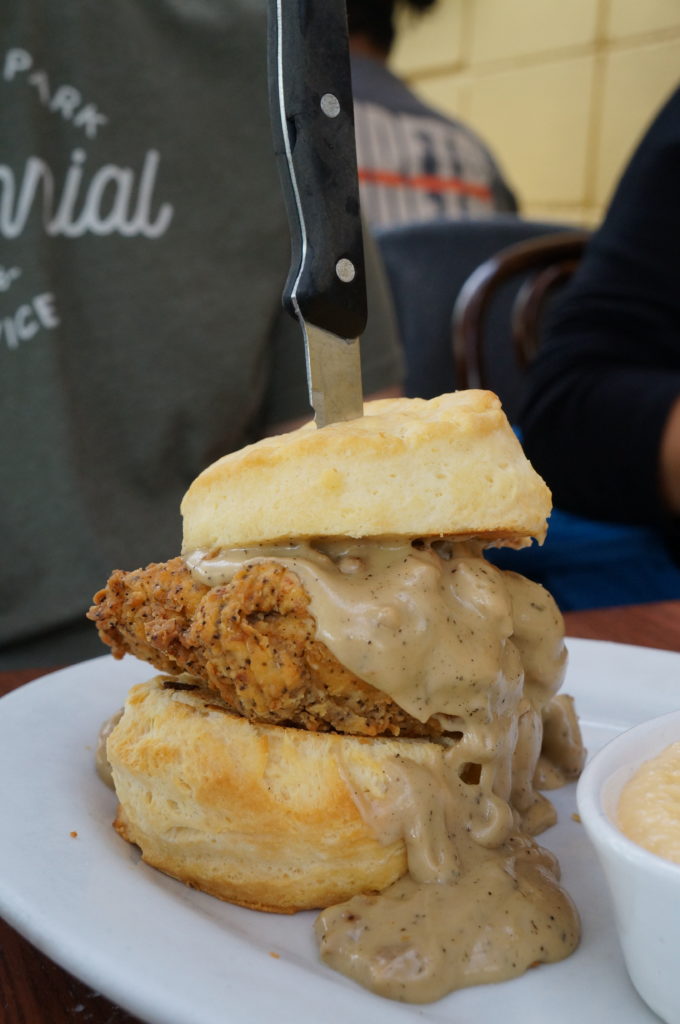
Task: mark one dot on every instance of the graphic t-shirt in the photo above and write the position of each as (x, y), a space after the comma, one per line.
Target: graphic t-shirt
(143, 248)
(416, 164)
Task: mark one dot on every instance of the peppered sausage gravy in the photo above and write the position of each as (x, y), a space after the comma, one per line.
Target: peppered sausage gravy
(445, 633)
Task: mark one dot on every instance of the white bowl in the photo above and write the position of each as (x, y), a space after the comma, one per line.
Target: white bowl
(645, 888)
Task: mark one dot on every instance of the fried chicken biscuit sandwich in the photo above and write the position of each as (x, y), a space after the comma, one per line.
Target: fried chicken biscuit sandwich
(353, 701)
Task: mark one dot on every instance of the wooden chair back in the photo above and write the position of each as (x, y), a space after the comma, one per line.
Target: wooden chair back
(545, 263)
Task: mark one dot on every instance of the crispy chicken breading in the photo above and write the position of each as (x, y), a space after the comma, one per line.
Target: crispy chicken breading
(251, 640)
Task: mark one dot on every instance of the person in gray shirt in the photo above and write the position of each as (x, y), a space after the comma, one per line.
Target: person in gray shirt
(415, 163)
(143, 250)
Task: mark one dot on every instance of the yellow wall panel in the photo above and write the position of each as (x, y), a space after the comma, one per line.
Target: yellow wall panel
(633, 17)
(504, 29)
(579, 216)
(636, 83)
(433, 39)
(536, 121)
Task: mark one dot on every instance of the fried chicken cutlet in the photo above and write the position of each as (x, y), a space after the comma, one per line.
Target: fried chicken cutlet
(252, 641)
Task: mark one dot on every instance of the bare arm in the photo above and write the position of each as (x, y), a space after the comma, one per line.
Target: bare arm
(669, 462)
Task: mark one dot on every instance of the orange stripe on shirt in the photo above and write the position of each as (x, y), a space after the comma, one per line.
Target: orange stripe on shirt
(424, 182)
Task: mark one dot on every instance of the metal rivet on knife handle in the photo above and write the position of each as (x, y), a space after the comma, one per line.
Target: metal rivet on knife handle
(330, 104)
(345, 270)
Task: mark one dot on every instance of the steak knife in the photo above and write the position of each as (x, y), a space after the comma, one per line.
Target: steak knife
(310, 97)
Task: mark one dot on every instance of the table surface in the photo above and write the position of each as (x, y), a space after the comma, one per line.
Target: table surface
(34, 990)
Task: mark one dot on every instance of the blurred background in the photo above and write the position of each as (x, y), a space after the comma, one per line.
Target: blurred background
(561, 90)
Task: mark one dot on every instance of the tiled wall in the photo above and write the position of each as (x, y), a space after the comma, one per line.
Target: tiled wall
(560, 89)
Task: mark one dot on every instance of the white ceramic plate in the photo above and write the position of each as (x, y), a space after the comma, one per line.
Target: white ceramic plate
(174, 956)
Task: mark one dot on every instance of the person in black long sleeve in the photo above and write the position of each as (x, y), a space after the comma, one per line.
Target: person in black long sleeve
(602, 418)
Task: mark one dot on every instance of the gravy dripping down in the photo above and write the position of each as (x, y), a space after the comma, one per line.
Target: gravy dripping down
(444, 633)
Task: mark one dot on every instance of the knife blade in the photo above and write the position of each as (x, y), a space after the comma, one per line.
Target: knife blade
(310, 97)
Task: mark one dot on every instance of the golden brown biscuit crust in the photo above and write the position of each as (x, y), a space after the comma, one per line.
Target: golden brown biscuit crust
(254, 814)
(408, 467)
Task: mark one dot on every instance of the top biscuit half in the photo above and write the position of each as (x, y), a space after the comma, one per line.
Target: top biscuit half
(447, 467)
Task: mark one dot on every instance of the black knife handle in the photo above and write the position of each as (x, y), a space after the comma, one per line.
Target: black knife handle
(312, 118)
